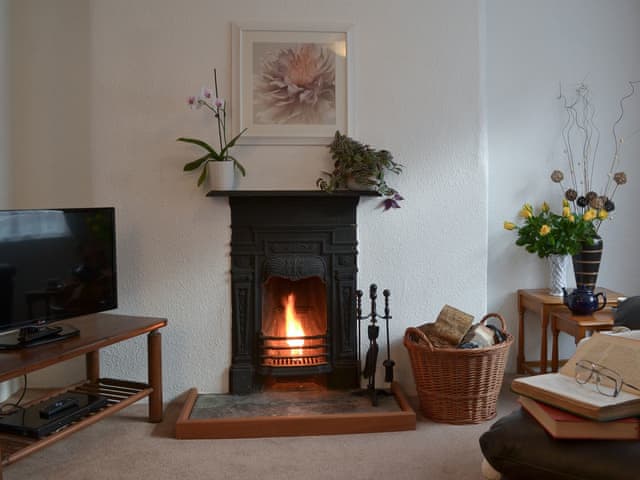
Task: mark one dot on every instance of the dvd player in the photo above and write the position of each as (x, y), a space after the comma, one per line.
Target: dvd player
(41, 419)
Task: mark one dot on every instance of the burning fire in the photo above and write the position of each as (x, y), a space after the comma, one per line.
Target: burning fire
(293, 325)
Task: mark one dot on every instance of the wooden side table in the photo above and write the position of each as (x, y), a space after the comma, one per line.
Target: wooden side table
(577, 326)
(539, 302)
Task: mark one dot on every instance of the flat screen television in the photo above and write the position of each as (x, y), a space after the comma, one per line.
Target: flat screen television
(55, 264)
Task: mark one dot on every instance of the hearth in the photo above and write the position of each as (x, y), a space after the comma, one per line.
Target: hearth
(294, 278)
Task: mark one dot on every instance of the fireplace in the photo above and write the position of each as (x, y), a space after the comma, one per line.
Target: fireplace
(294, 325)
(293, 275)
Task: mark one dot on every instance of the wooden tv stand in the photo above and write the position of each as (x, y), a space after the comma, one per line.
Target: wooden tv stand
(96, 331)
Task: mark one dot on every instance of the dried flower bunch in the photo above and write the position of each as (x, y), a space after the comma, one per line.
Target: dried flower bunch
(216, 105)
(359, 164)
(580, 129)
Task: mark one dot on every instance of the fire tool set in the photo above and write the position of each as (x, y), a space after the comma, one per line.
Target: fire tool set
(373, 331)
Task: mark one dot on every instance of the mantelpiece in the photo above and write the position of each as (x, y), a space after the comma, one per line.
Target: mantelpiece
(291, 193)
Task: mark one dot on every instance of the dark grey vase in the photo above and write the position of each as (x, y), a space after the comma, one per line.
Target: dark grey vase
(586, 264)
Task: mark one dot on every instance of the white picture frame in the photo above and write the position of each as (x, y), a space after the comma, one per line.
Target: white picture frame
(271, 62)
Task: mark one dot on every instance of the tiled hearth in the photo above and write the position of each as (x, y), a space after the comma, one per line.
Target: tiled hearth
(275, 414)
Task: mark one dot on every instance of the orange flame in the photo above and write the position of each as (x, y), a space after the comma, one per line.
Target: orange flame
(293, 325)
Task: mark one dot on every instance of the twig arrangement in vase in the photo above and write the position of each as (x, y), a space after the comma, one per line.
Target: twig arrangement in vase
(581, 133)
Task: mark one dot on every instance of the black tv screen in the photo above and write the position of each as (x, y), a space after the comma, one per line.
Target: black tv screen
(56, 264)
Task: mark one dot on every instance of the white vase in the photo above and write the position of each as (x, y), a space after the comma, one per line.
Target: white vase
(222, 176)
(558, 268)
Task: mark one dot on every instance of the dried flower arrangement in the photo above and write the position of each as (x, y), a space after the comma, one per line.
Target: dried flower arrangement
(580, 127)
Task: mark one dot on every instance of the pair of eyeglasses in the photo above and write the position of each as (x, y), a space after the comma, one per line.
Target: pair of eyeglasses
(607, 382)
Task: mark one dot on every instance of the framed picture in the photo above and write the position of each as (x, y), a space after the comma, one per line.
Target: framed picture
(291, 83)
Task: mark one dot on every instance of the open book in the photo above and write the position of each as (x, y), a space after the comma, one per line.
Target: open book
(561, 389)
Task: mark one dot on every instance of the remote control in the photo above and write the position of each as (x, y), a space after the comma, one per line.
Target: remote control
(58, 406)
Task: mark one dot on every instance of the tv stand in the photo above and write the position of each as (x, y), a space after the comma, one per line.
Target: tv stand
(94, 332)
(36, 335)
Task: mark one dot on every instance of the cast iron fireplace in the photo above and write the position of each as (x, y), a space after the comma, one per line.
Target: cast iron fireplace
(293, 275)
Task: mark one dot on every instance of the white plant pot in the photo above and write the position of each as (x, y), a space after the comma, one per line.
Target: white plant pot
(558, 267)
(222, 176)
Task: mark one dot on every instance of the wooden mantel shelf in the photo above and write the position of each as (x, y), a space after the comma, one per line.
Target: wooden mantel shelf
(291, 193)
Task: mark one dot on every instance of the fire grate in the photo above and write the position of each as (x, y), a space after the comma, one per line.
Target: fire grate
(286, 352)
(294, 361)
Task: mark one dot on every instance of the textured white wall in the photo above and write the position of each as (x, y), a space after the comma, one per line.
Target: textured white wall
(531, 47)
(417, 94)
(5, 184)
(50, 96)
(6, 388)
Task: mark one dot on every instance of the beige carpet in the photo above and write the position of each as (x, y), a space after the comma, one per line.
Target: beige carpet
(125, 446)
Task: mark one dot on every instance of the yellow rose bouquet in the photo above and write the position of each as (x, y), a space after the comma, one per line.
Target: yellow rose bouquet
(546, 233)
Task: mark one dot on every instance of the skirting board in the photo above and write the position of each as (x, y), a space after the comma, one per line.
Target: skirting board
(281, 426)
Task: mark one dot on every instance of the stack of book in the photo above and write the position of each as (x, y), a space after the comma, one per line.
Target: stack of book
(570, 410)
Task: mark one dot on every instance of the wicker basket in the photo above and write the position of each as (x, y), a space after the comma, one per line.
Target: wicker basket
(457, 385)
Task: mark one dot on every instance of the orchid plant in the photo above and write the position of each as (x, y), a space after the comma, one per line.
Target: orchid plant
(216, 105)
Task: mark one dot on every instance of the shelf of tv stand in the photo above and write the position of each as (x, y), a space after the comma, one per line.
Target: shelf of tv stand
(119, 393)
(96, 331)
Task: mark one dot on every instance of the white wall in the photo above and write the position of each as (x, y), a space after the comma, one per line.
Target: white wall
(417, 87)
(50, 119)
(531, 47)
(6, 388)
(5, 192)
